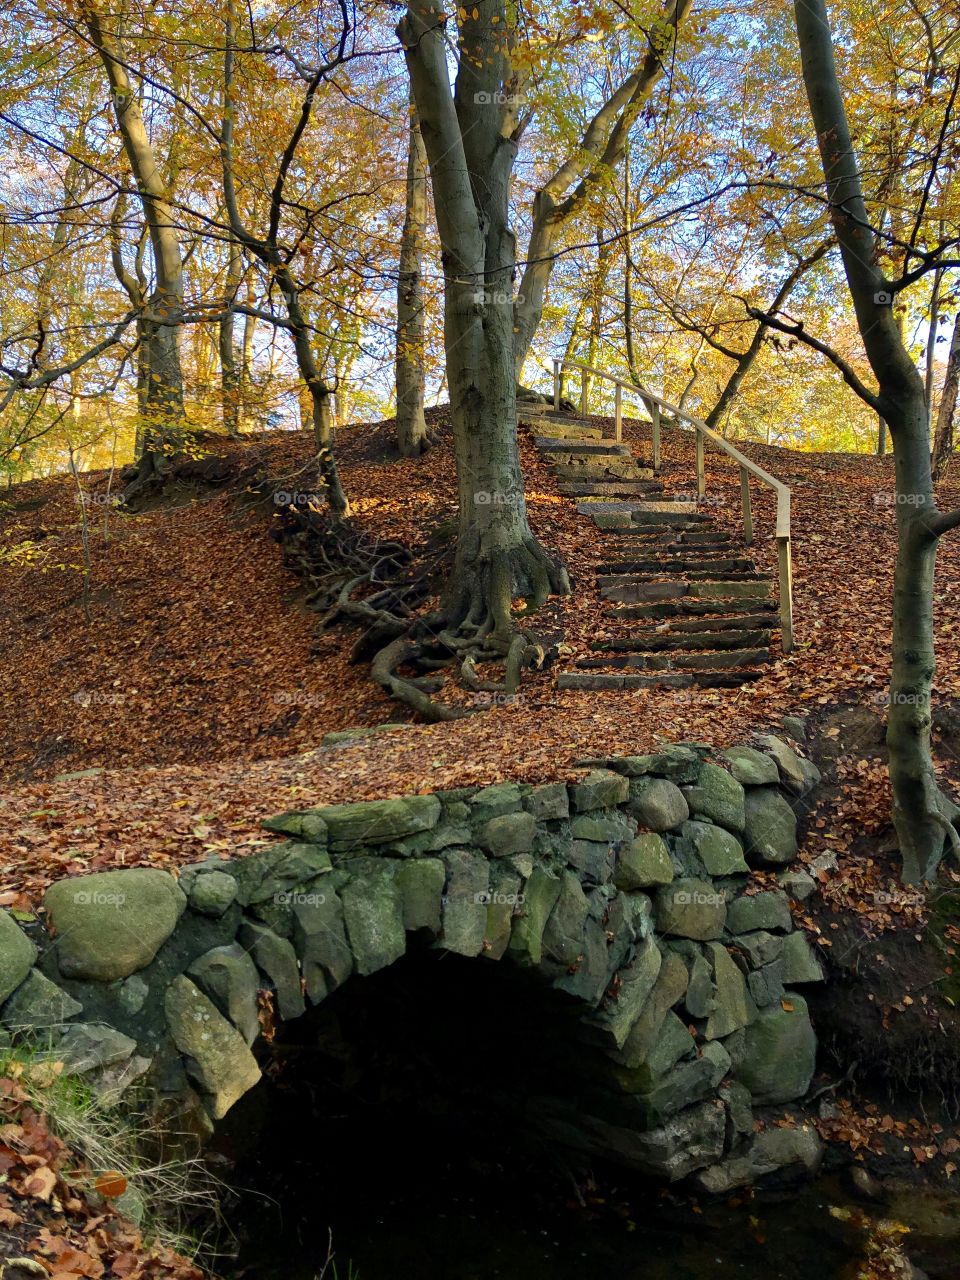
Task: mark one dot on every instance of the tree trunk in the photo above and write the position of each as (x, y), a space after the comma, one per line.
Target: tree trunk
(919, 810)
(134, 284)
(597, 291)
(470, 139)
(931, 352)
(411, 424)
(943, 435)
(573, 342)
(165, 426)
(881, 436)
(744, 362)
(247, 415)
(229, 368)
(320, 396)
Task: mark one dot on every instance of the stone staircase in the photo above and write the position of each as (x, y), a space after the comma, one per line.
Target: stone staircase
(687, 604)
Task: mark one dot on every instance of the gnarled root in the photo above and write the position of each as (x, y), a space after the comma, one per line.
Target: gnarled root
(477, 626)
(380, 587)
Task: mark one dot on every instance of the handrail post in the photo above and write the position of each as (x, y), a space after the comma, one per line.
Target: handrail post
(786, 594)
(556, 384)
(745, 503)
(618, 413)
(655, 432)
(701, 471)
(584, 393)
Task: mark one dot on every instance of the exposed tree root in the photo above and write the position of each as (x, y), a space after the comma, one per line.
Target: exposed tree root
(380, 587)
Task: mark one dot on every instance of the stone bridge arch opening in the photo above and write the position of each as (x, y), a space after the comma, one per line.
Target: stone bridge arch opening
(430, 1081)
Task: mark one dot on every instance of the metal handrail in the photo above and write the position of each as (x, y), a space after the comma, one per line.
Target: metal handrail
(654, 404)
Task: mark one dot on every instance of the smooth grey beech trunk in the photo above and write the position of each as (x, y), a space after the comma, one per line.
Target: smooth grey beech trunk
(471, 137)
(163, 433)
(411, 423)
(920, 811)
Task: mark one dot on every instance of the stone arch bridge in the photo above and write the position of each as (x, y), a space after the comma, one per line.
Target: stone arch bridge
(629, 894)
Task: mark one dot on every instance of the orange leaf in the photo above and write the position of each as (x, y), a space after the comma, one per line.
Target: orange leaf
(111, 1184)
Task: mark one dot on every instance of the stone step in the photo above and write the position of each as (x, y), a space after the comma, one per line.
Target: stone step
(668, 507)
(693, 611)
(544, 408)
(629, 591)
(586, 471)
(714, 660)
(658, 642)
(711, 623)
(620, 521)
(699, 577)
(670, 519)
(692, 539)
(561, 431)
(608, 488)
(581, 448)
(676, 565)
(632, 512)
(617, 681)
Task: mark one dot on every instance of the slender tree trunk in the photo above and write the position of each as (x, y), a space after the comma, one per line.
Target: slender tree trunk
(597, 290)
(134, 285)
(943, 435)
(247, 415)
(629, 348)
(229, 369)
(470, 139)
(411, 424)
(166, 421)
(919, 809)
(573, 342)
(881, 436)
(931, 351)
(320, 395)
(744, 363)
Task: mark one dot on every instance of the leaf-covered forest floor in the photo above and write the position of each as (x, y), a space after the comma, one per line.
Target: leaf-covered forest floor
(199, 691)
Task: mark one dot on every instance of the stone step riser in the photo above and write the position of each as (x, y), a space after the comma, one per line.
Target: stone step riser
(640, 508)
(648, 592)
(580, 437)
(614, 683)
(671, 565)
(584, 449)
(610, 488)
(665, 573)
(652, 518)
(695, 611)
(603, 475)
(678, 661)
(732, 639)
(656, 539)
(743, 622)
